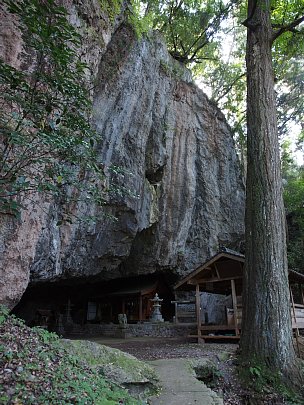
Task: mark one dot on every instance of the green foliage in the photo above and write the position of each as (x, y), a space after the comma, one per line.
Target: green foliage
(45, 336)
(111, 7)
(263, 381)
(207, 372)
(227, 74)
(187, 25)
(195, 32)
(293, 192)
(3, 313)
(288, 64)
(140, 21)
(47, 144)
(44, 372)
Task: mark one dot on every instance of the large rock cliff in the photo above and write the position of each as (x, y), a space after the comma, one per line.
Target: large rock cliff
(166, 149)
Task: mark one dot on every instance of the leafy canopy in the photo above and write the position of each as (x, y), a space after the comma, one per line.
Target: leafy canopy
(293, 192)
(187, 25)
(47, 143)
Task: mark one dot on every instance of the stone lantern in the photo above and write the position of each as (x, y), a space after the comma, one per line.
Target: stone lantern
(156, 315)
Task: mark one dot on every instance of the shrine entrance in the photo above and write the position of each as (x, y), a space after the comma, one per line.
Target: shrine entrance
(94, 302)
(133, 300)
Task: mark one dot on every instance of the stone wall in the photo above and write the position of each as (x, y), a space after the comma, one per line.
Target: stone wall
(147, 329)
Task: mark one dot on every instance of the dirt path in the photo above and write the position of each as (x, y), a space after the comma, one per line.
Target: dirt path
(180, 387)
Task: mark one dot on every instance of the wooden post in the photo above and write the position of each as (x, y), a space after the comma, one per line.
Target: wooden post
(176, 312)
(198, 313)
(234, 303)
(140, 308)
(302, 293)
(295, 320)
(217, 272)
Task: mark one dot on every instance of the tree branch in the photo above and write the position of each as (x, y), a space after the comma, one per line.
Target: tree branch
(289, 27)
(228, 88)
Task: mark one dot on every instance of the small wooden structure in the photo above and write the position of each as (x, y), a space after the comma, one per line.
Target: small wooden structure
(185, 312)
(223, 274)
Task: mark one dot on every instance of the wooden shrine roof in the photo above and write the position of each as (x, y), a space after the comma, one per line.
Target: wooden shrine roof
(221, 267)
(215, 274)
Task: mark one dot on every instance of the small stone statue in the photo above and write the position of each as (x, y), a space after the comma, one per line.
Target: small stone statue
(156, 315)
(122, 320)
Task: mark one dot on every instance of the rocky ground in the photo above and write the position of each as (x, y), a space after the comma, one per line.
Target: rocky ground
(223, 378)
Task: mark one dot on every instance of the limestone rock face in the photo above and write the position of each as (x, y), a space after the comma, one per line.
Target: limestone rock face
(176, 191)
(170, 153)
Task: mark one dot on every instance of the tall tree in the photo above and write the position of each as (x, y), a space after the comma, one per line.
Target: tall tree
(266, 329)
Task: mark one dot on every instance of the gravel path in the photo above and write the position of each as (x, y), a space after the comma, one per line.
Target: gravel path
(166, 348)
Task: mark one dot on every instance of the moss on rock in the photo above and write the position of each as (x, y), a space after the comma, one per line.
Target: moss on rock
(124, 369)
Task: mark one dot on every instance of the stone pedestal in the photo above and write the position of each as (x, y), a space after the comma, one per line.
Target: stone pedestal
(156, 315)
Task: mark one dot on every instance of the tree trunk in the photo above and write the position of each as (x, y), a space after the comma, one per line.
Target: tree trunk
(266, 328)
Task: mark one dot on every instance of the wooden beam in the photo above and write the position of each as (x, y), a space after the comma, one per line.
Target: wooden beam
(216, 327)
(234, 303)
(302, 293)
(212, 280)
(220, 337)
(206, 337)
(182, 302)
(217, 272)
(198, 311)
(295, 320)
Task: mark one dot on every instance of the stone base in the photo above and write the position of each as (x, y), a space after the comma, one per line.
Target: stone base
(122, 333)
(146, 329)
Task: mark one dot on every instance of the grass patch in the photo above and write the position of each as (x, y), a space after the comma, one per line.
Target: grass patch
(207, 372)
